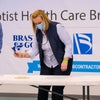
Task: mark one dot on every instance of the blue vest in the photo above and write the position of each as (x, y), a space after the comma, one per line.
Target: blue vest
(56, 44)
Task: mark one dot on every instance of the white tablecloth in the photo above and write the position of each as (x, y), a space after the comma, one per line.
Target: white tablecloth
(49, 80)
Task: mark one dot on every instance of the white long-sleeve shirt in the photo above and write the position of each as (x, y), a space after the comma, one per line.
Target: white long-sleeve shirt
(49, 58)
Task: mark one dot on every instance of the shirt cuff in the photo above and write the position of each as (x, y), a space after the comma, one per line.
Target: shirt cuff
(30, 52)
(67, 55)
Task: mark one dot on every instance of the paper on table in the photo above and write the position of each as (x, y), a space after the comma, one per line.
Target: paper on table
(17, 76)
(21, 77)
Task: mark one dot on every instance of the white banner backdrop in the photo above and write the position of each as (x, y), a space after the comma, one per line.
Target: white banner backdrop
(80, 18)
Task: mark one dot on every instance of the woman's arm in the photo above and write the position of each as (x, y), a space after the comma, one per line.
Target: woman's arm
(65, 38)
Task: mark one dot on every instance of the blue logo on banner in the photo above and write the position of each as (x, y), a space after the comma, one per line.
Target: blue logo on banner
(1, 36)
(86, 66)
(22, 41)
(33, 66)
(82, 43)
(78, 66)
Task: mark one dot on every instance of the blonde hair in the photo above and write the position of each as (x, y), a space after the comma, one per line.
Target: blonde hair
(43, 16)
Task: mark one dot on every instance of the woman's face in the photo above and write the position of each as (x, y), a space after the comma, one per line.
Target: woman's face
(39, 23)
(38, 20)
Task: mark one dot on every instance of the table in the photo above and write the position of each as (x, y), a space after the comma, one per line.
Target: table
(36, 80)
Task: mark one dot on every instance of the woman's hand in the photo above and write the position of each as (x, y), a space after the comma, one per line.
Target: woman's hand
(21, 55)
(64, 64)
(18, 54)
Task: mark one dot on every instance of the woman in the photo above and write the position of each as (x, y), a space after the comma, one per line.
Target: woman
(54, 47)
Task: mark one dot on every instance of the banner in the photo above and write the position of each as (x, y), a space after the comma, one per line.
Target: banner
(80, 18)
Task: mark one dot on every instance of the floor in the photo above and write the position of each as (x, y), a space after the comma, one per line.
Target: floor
(12, 98)
(34, 97)
(22, 98)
